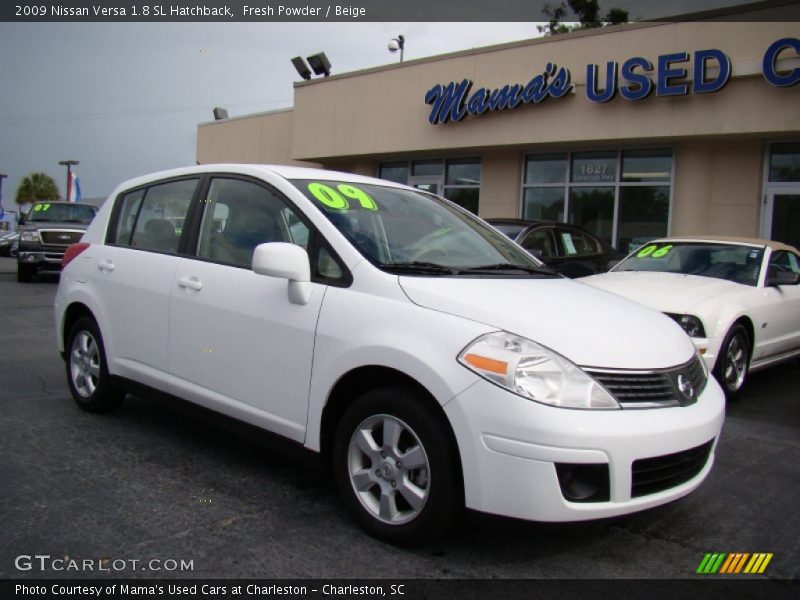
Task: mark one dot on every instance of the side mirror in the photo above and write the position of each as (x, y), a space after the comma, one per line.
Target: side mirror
(21, 219)
(286, 261)
(779, 277)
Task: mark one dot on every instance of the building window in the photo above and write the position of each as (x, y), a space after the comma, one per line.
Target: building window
(457, 179)
(784, 163)
(395, 171)
(621, 196)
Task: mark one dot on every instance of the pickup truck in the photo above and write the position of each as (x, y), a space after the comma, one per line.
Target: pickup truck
(46, 231)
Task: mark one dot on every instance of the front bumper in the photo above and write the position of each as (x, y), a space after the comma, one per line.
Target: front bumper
(43, 261)
(510, 446)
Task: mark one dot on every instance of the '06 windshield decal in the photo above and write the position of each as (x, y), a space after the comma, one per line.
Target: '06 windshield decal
(337, 199)
(653, 251)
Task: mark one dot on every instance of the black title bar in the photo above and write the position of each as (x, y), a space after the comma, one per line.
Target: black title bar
(378, 10)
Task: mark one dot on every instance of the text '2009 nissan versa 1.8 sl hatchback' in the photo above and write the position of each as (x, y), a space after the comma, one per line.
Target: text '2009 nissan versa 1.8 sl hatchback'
(433, 363)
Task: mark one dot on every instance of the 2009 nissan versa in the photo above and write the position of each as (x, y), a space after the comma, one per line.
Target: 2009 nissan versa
(431, 361)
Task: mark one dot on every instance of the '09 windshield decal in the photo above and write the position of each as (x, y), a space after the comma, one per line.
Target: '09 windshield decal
(654, 251)
(337, 199)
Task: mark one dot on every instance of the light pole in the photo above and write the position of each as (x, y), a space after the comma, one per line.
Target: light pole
(69, 164)
(398, 43)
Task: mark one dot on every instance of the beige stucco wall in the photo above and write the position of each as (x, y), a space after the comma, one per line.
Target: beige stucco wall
(383, 112)
(354, 121)
(264, 139)
(717, 187)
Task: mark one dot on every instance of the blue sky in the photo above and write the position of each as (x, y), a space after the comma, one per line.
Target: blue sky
(125, 99)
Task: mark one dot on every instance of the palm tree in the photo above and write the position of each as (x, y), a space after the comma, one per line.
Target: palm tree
(35, 187)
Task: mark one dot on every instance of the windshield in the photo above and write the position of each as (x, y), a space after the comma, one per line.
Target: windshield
(400, 228)
(62, 213)
(732, 262)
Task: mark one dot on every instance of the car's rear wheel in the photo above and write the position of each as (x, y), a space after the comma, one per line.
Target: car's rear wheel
(397, 468)
(733, 362)
(87, 370)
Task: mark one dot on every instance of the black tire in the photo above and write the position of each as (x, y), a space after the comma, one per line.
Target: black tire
(87, 371)
(733, 361)
(439, 481)
(25, 273)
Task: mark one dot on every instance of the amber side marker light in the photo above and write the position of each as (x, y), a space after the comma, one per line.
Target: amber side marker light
(72, 251)
(487, 364)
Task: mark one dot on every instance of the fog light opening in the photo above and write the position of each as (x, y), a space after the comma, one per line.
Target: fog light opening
(584, 482)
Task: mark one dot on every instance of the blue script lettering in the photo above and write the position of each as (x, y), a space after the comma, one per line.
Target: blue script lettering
(454, 101)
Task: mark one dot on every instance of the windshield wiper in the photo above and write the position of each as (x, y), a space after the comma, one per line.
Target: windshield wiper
(418, 267)
(509, 267)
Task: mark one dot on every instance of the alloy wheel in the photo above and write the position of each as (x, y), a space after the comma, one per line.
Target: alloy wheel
(389, 469)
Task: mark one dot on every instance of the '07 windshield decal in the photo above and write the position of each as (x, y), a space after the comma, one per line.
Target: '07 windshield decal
(337, 199)
(653, 251)
(41, 207)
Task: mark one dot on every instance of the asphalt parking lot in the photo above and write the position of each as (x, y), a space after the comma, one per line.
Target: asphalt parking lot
(149, 482)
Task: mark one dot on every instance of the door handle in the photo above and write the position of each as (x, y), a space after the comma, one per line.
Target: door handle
(106, 265)
(192, 283)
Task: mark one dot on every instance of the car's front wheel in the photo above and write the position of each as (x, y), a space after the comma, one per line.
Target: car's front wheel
(87, 370)
(397, 468)
(733, 362)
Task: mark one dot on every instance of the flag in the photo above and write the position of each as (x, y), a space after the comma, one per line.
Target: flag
(74, 188)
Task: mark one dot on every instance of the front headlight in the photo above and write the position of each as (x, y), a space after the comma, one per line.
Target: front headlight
(532, 371)
(29, 236)
(692, 325)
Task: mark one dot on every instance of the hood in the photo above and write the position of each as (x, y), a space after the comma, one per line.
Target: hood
(665, 292)
(590, 327)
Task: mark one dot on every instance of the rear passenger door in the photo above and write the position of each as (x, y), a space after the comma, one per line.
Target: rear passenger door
(133, 273)
(237, 345)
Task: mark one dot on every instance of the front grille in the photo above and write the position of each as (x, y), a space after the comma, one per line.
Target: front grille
(56, 237)
(679, 386)
(651, 475)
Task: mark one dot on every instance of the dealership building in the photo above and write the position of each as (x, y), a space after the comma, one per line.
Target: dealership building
(631, 131)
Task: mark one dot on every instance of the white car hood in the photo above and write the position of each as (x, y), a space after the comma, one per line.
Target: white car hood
(665, 292)
(588, 326)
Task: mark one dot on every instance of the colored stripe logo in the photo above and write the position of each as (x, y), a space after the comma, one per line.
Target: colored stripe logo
(734, 562)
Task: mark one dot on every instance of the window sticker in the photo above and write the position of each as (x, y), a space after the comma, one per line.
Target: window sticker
(41, 207)
(337, 199)
(653, 251)
(569, 245)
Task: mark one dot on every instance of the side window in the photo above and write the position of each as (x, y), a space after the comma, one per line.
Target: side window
(161, 215)
(540, 243)
(240, 215)
(327, 267)
(785, 261)
(129, 210)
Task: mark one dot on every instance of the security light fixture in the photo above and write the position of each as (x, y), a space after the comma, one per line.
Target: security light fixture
(398, 43)
(220, 114)
(302, 67)
(320, 64)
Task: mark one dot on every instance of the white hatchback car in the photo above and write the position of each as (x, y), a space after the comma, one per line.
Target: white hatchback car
(429, 360)
(738, 298)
